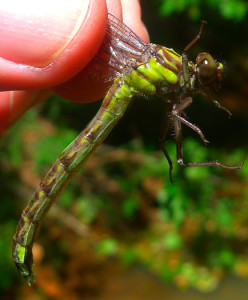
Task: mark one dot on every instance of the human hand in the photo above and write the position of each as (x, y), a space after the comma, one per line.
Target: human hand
(44, 45)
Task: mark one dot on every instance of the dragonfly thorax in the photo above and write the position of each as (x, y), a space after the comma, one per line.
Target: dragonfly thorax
(159, 71)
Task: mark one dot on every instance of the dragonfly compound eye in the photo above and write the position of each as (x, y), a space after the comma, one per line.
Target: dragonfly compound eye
(207, 68)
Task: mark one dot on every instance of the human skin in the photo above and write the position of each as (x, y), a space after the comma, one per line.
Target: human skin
(45, 49)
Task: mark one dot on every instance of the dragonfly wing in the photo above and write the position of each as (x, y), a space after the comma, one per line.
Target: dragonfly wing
(120, 44)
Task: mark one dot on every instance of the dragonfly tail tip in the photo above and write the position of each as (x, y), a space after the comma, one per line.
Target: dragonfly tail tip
(30, 279)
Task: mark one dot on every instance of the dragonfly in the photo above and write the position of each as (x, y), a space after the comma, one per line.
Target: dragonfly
(136, 68)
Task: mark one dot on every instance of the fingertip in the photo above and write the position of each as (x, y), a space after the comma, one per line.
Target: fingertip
(4, 111)
(132, 18)
(13, 104)
(84, 87)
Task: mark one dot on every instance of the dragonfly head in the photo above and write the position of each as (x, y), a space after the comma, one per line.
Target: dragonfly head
(209, 72)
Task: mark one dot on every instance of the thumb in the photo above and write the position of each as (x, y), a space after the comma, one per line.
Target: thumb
(44, 43)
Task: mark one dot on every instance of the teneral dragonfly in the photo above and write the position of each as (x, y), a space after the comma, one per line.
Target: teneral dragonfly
(136, 68)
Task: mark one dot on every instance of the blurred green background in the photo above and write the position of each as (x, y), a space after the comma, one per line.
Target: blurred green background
(121, 229)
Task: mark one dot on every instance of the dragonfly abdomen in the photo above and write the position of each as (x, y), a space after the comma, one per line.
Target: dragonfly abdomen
(67, 164)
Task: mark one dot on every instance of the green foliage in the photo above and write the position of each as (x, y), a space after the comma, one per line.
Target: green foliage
(129, 256)
(172, 241)
(235, 10)
(87, 208)
(223, 215)
(51, 146)
(7, 274)
(129, 208)
(223, 257)
(11, 143)
(107, 247)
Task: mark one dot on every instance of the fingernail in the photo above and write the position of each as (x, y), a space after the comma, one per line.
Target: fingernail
(36, 32)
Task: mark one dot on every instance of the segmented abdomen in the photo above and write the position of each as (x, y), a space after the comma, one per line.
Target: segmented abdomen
(67, 164)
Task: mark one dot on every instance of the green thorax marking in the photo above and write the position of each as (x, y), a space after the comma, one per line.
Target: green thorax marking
(162, 68)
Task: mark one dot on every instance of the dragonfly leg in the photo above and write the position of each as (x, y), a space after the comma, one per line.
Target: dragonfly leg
(179, 147)
(196, 39)
(185, 60)
(216, 103)
(180, 109)
(163, 136)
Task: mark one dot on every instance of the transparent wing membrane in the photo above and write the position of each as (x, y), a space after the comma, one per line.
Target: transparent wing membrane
(119, 45)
